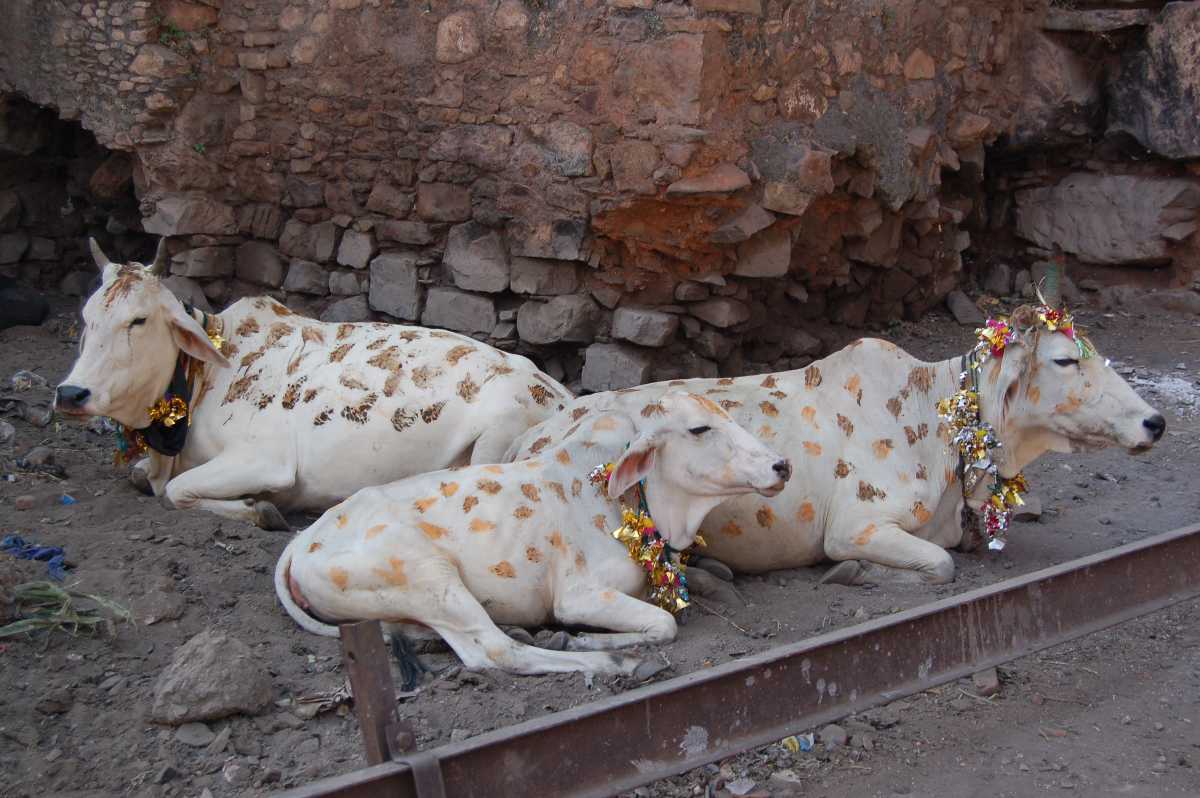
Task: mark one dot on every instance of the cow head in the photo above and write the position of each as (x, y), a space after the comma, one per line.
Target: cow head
(1050, 391)
(133, 331)
(693, 456)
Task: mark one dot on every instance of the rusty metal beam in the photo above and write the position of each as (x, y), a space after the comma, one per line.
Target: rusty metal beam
(667, 728)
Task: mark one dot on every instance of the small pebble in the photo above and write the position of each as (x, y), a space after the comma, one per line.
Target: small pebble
(24, 502)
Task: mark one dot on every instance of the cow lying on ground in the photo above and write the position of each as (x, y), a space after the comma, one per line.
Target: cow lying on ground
(286, 411)
(877, 482)
(461, 550)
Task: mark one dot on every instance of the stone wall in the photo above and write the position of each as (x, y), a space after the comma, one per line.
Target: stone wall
(626, 190)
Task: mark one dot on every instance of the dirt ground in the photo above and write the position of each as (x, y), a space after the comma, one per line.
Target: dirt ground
(1116, 713)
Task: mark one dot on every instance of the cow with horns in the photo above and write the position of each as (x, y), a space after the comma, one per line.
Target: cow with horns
(888, 448)
(257, 409)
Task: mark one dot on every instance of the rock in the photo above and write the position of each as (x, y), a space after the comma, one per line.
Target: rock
(1022, 281)
(720, 311)
(485, 146)
(919, 66)
(745, 224)
(196, 735)
(457, 38)
(13, 246)
(7, 432)
(56, 701)
(1059, 97)
(644, 327)
(23, 502)
(1177, 300)
(187, 290)
(712, 344)
(543, 276)
(443, 202)
(211, 676)
(724, 178)
(797, 343)
(258, 262)
(347, 283)
(306, 277)
(351, 309)
(767, 254)
(1096, 20)
(476, 258)
(609, 367)
(1153, 97)
(794, 173)
(998, 281)
(10, 210)
(563, 318)
(731, 6)
(559, 239)
(834, 736)
(394, 287)
(389, 200)
(633, 165)
(689, 291)
(569, 148)
(1031, 510)
(661, 79)
(42, 249)
(187, 16)
(77, 283)
(785, 782)
(177, 215)
(459, 311)
(204, 262)
(1109, 219)
(417, 233)
(356, 249)
(964, 310)
(986, 682)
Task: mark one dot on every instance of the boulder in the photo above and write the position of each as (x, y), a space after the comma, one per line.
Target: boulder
(394, 288)
(347, 283)
(306, 277)
(350, 309)
(743, 225)
(643, 326)
(476, 258)
(77, 283)
(661, 79)
(964, 310)
(794, 172)
(417, 233)
(459, 311)
(1154, 96)
(1060, 95)
(564, 318)
(443, 202)
(356, 249)
(190, 215)
(211, 676)
(458, 38)
(633, 165)
(568, 149)
(720, 311)
(767, 254)
(1096, 20)
(559, 239)
(21, 306)
(389, 200)
(204, 262)
(1110, 219)
(484, 146)
(543, 276)
(259, 263)
(999, 280)
(610, 367)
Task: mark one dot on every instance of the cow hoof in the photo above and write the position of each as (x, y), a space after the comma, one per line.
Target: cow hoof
(558, 641)
(141, 481)
(715, 567)
(270, 518)
(519, 634)
(703, 583)
(649, 668)
(850, 572)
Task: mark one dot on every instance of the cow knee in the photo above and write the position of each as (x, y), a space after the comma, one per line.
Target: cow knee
(662, 629)
(941, 570)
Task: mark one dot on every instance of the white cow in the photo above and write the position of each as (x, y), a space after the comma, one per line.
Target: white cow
(287, 412)
(461, 550)
(876, 479)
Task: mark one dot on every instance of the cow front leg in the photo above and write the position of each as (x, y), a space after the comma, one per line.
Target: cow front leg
(635, 622)
(227, 485)
(903, 556)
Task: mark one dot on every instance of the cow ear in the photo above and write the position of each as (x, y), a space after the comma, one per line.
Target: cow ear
(633, 466)
(191, 337)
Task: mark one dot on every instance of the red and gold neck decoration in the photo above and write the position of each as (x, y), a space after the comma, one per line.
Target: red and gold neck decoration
(974, 438)
(666, 581)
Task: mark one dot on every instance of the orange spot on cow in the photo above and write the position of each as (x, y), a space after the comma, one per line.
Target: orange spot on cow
(469, 503)
(563, 457)
(432, 531)
(539, 444)
(883, 448)
(533, 554)
(314, 546)
(809, 414)
(531, 492)
(731, 529)
(812, 448)
(864, 537)
(707, 404)
(1034, 394)
(522, 512)
(556, 541)
(806, 513)
(842, 469)
(479, 525)
(340, 577)
(949, 475)
(768, 409)
(393, 574)
(421, 505)
(765, 516)
(921, 514)
(504, 570)
(1072, 404)
(342, 521)
(449, 489)
(488, 486)
(493, 469)
(375, 530)
(604, 424)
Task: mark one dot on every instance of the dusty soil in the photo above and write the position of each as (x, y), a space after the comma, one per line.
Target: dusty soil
(73, 710)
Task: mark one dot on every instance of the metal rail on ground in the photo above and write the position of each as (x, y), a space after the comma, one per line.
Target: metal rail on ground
(663, 729)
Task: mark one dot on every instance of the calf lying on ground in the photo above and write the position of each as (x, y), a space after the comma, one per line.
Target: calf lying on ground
(524, 544)
(878, 482)
(282, 410)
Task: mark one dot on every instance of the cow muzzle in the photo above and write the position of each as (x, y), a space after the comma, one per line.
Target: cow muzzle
(783, 472)
(1155, 427)
(71, 399)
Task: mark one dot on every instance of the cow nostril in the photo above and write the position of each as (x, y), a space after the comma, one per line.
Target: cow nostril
(784, 469)
(1156, 424)
(71, 396)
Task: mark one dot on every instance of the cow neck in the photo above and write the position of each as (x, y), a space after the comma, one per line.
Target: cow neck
(170, 416)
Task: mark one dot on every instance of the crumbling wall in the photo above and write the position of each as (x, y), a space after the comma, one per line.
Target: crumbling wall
(627, 190)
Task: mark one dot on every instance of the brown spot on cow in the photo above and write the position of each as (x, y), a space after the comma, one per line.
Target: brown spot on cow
(921, 472)
(539, 444)
(312, 335)
(921, 378)
(340, 352)
(343, 331)
(448, 489)
(845, 425)
(421, 505)
(469, 503)
(768, 409)
(402, 419)
(340, 577)
(864, 537)
(769, 382)
(281, 310)
(604, 424)
(493, 469)
(314, 546)
(531, 492)
(653, 409)
(883, 448)
(729, 404)
(388, 359)
(488, 486)
(731, 529)
(359, 413)
(457, 353)
(408, 336)
(894, 406)
(809, 414)
(725, 381)
(533, 554)
(264, 400)
(707, 404)
(127, 277)
(539, 394)
(600, 522)
(431, 413)
(921, 514)
(468, 389)
(842, 469)
(949, 476)
(1033, 393)
(322, 418)
(578, 413)
(563, 457)
(503, 569)
(392, 382)
(580, 561)
(1072, 404)
(779, 394)
(393, 575)
(556, 541)
(375, 531)
(432, 531)
(278, 333)
(558, 490)
(481, 526)
(249, 326)
(352, 382)
(812, 448)
(765, 516)
(250, 358)
(240, 387)
(806, 513)
(766, 433)
(423, 375)
(812, 377)
(869, 493)
(294, 365)
(292, 394)
(576, 487)
(310, 394)
(377, 344)
(853, 387)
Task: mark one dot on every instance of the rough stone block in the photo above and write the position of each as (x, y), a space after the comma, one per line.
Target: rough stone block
(458, 38)
(720, 311)
(389, 200)
(643, 326)
(417, 233)
(610, 367)
(259, 263)
(211, 676)
(724, 178)
(569, 148)
(476, 258)
(544, 277)
(459, 311)
(559, 239)
(350, 309)
(633, 164)
(743, 225)
(564, 318)
(356, 249)
(443, 202)
(394, 286)
(347, 283)
(42, 249)
(306, 277)
(964, 310)
(767, 254)
(204, 262)
(178, 215)
(999, 279)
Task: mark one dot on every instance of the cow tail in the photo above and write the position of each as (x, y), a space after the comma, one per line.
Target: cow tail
(283, 592)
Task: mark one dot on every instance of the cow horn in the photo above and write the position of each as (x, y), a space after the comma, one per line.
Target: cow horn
(98, 255)
(159, 267)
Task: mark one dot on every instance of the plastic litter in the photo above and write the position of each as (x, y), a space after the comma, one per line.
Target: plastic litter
(53, 556)
(68, 499)
(799, 742)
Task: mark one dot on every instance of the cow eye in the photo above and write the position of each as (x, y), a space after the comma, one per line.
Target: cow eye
(138, 322)
(699, 430)
(1066, 361)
